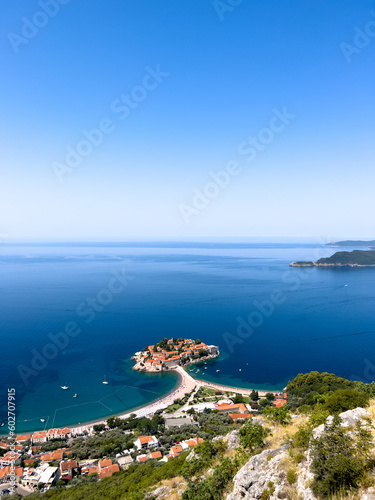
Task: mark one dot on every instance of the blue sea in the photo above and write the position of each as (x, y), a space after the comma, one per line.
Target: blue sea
(103, 302)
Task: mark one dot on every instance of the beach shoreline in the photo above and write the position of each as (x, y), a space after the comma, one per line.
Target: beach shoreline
(185, 385)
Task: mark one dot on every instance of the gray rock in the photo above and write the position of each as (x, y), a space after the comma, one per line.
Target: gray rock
(159, 493)
(233, 440)
(253, 478)
(192, 456)
(349, 418)
(217, 438)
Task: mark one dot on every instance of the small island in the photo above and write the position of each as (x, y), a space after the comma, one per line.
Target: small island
(172, 353)
(356, 258)
(351, 243)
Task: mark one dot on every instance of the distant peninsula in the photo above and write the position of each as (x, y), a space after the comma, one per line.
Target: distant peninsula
(351, 243)
(356, 258)
(172, 353)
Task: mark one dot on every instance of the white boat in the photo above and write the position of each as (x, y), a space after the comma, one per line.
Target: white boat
(75, 395)
(64, 387)
(105, 381)
(240, 370)
(217, 370)
(42, 420)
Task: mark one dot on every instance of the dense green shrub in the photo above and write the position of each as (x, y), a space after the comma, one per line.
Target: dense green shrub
(304, 388)
(339, 460)
(252, 435)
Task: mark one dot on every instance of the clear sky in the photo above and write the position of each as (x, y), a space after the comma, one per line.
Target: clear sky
(182, 89)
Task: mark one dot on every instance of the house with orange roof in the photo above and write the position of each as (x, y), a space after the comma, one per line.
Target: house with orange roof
(280, 400)
(175, 450)
(279, 403)
(35, 448)
(90, 470)
(30, 460)
(146, 442)
(108, 471)
(226, 408)
(7, 472)
(156, 455)
(142, 458)
(240, 416)
(10, 459)
(67, 469)
(39, 437)
(105, 462)
(22, 438)
(53, 455)
(191, 443)
(19, 447)
(4, 446)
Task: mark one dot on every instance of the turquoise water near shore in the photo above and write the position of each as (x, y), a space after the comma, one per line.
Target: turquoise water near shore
(206, 290)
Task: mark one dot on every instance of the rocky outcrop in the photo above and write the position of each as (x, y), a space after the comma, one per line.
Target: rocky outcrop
(250, 481)
(255, 476)
(233, 440)
(349, 418)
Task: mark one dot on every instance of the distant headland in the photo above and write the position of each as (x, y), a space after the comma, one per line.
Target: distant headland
(356, 258)
(351, 243)
(172, 353)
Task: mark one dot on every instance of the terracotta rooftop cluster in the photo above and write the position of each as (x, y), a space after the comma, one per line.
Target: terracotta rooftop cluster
(155, 356)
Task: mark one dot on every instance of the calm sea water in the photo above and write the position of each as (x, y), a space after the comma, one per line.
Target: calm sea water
(324, 322)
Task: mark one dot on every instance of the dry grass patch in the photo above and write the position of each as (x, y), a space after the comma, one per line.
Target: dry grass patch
(281, 434)
(175, 484)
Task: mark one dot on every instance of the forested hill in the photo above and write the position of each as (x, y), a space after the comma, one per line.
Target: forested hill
(356, 258)
(352, 243)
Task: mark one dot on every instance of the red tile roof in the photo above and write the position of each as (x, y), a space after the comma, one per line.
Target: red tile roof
(156, 454)
(227, 407)
(145, 439)
(23, 437)
(7, 471)
(176, 449)
(105, 462)
(236, 416)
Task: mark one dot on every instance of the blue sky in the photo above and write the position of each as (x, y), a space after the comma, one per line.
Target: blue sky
(221, 72)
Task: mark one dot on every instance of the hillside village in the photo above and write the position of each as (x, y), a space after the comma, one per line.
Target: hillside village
(314, 441)
(40, 470)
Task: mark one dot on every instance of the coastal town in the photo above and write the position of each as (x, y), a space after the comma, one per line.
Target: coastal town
(169, 354)
(36, 469)
(53, 458)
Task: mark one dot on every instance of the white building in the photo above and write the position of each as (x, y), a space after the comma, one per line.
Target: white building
(146, 442)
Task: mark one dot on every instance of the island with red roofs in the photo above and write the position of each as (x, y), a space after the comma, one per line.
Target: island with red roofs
(172, 353)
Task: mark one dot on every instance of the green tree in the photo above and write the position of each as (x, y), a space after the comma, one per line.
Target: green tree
(238, 399)
(264, 402)
(338, 462)
(254, 396)
(252, 435)
(345, 399)
(278, 415)
(198, 341)
(270, 396)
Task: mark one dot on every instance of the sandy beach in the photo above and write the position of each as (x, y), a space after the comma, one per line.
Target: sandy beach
(187, 384)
